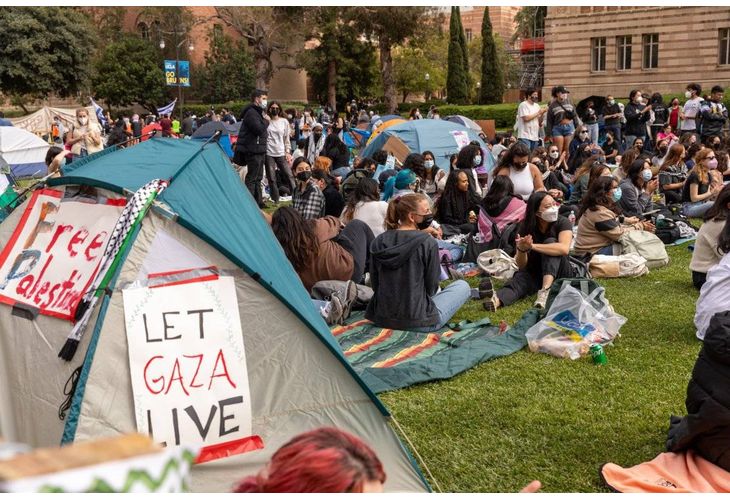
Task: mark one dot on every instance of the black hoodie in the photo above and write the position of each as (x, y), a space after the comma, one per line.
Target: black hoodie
(252, 135)
(405, 271)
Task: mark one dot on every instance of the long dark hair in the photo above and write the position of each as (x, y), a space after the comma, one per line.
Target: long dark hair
(597, 195)
(719, 211)
(723, 241)
(296, 236)
(501, 188)
(365, 190)
(518, 149)
(416, 163)
(453, 197)
(333, 141)
(529, 224)
(465, 160)
(434, 170)
(634, 173)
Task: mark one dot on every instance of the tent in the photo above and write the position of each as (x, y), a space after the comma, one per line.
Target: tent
(40, 122)
(208, 130)
(384, 126)
(23, 152)
(467, 122)
(205, 225)
(443, 138)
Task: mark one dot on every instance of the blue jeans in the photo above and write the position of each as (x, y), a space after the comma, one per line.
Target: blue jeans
(341, 172)
(530, 144)
(563, 130)
(605, 251)
(455, 251)
(593, 131)
(696, 209)
(447, 302)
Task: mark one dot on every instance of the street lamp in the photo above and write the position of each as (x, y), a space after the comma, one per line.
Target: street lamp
(479, 85)
(177, 44)
(427, 77)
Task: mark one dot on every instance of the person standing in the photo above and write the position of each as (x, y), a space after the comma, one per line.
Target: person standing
(714, 114)
(691, 108)
(186, 127)
(58, 130)
(278, 151)
(166, 125)
(562, 119)
(529, 120)
(637, 114)
(590, 120)
(136, 126)
(85, 137)
(252, 141)
(612, 119)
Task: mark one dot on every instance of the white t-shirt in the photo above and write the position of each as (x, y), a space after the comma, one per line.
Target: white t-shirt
(373, 214)
(278, 143)
(714, 295)
(529, 130)
(691, 108)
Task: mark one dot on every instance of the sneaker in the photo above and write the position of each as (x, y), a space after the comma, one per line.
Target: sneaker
(486, 288)
(348, 297)
(491, 303)
(542, 297)
(455, 274)
(334, 316)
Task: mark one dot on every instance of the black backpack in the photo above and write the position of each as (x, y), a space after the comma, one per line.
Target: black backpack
(505, 240)
(350, 182)
(667, 231)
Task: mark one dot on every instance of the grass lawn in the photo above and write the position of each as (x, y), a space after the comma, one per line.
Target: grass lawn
(532, 416)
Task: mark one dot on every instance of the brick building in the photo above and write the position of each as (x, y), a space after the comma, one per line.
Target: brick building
(602, 50)
(286, 85)
(471, 18)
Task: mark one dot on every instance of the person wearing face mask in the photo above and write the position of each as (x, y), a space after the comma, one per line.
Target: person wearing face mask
(525, 176)
(430, 175)
(85, 136)
(697, 194)
(637, 188)
(307, 199)
(601, 223)
(556, 160)
(252, 142)
(637, 115)
(550, 179)
(582, 138)
(315, 144)
(334, 203)
(470, 159)
(713, 114)
(691, 108)
(660, 114)
(590, 119)
(662, 148)
(529, 119)
(58, 131)
(457, 207)
(543, 243)
(562, 119)
(672, 174)
(612, 120)
(405, 272)
(676, 114)
(278, 151)
(610, 148)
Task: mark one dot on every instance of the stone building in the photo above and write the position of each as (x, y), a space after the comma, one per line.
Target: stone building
(471, 18)
(611, 50)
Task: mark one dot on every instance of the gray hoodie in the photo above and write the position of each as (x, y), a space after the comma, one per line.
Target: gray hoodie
(405, 271)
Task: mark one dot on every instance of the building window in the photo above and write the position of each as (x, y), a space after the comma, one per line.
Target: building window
(598, 54)
(623, 52)
(469, 35)
(651, 51)
(724, 46)
(144, 31)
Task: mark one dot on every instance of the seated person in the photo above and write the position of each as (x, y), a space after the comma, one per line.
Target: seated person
(590, 169)
(697, 194)
(543, 243)
(672, 174)
(637, 188)
(629, 156)
(404, 182)
(581, 138)
(706, 253)
(500, 207)
(333, 200)
(405, 269)
(580, 156)
(430, 175)
(666, 134)
(323, 163)
(610, 148)
(525, 176)
(456, 208)
(714, 296)
(55, 160)
(550, 178)
(662, 147)
(364, 204)
(470, 159)
(307, 199)
(321, 249)
(600, 224)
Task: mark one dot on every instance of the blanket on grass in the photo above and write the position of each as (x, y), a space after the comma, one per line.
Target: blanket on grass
(685, 472)
(681, 241)
(392, 359)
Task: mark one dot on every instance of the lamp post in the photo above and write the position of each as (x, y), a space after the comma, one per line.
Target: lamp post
(177, 44)
(427, 77)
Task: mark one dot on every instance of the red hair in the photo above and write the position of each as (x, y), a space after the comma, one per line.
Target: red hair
(325, 460)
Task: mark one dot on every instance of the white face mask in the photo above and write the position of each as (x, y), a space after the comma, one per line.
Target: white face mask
(549, 215)
(83, 120)
(477, 160)
(688, 94)
(555, 155)
(264, 103)
(428, 164)
(646, 175)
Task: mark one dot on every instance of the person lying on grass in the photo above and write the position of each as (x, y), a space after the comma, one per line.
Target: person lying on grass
(405, 272)
(543, 244)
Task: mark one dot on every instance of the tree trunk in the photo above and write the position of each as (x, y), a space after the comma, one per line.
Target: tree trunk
(263, 72)
(405, 96)
(332, 84)
(386, 69)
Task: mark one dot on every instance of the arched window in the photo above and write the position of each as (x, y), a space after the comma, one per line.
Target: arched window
(143, 31)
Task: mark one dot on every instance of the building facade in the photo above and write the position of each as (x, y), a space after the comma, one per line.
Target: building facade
(612, 50)
(503, 21)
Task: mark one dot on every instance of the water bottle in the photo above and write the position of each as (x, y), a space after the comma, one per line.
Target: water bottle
(571, 217)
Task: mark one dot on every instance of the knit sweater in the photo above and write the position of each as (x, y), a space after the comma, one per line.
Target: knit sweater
(597, 229)
(706, 253)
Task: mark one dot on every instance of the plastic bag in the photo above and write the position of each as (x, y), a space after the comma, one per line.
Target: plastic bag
(572, 324)
(497, 263)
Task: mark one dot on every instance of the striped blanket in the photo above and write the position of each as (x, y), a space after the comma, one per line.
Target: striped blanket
(392, 359)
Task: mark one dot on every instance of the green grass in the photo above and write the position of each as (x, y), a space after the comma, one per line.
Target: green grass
(532, 416)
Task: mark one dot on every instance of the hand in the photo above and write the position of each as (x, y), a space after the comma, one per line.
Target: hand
(562, 155)
(648, 226)
(523, 243)
(652, 186)
(555, 193)
(533, 487)
(631, 220)
(717, 189)
(288, 158)
(436, 233)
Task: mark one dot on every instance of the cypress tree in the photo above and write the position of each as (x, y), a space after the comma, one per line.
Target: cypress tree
(465, 52)
(456, 82)
(492, 79)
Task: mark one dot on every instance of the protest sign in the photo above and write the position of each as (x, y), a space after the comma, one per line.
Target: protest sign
(54, 252)
(188, 365)
(461, 138)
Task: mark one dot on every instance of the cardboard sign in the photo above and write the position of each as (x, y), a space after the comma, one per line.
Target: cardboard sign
(461, 138)
(397, 148)
(55, 251)
(188, 365)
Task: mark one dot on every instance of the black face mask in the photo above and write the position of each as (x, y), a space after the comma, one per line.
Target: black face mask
(716, 145)
(275, 112)
(663, 151)
(317, 136)
(426, 222)
(304, 176)
(519, 166)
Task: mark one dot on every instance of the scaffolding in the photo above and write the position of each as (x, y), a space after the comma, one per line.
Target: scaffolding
(532, 60)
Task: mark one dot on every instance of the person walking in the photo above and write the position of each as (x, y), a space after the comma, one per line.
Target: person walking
(278, 151)
(252, 141)
(529, 120)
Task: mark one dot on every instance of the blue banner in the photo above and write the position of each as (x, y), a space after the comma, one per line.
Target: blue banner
(177, 76)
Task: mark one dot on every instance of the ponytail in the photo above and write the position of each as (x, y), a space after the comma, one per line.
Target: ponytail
(399, 208)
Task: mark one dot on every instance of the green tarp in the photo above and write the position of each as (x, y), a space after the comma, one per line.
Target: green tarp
(393, 359)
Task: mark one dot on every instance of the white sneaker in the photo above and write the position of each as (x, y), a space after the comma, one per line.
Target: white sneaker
(542, 296)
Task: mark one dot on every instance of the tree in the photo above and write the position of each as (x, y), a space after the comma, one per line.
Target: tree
(530, 22)
(423, 55)
(492, 86)
(457, 89)
(109, 23)
(228, 72)
(391, 26)
(130, 71)
(465, 52)
(44, 50)
(273, 33)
